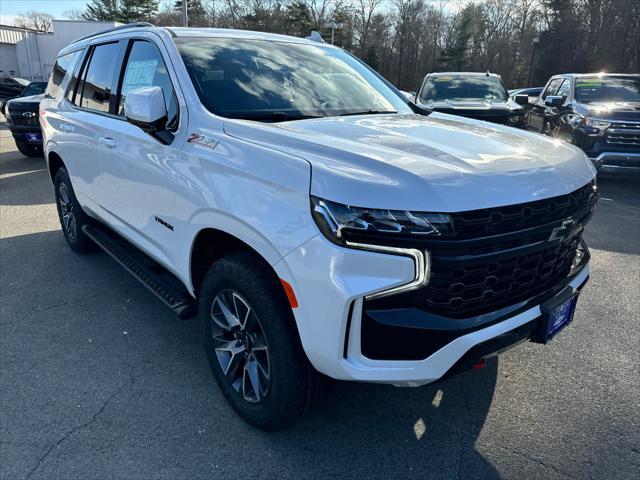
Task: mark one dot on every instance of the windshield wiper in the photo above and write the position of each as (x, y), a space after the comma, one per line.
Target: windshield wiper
(368, 112)
(269, 116)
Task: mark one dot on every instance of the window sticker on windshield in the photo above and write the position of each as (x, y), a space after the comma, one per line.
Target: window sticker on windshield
(140, 74)
(588, 83)
(213, 75)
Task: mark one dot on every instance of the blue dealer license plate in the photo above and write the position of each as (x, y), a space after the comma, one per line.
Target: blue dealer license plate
(560, 317)
(33, 137)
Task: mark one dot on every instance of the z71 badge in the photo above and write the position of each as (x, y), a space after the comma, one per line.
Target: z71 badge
(202, 140)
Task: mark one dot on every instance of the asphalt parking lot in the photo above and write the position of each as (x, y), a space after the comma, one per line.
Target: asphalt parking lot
(98, 380)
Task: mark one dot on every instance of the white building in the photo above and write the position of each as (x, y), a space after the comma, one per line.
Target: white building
(30, 54)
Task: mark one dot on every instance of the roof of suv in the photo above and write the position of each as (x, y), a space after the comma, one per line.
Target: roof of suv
(196, 32)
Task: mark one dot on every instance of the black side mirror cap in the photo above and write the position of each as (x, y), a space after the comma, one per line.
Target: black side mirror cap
(554, 101)
(521, 99)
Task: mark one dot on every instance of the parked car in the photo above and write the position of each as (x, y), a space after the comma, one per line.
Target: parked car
(600, 113)
(474, 95)
(11, 87)
(34, 88)
(23, 114)
(316, 221)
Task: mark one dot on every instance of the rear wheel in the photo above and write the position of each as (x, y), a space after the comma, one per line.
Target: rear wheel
(71, 216)
(29, 149)
(253, 346)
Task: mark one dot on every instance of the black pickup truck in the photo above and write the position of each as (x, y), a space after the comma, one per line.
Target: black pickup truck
(599, 113)
(482, 96)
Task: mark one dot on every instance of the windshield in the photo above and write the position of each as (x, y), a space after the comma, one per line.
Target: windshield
(608, 89)
(275, 81)
(463, 87)
(34, 88)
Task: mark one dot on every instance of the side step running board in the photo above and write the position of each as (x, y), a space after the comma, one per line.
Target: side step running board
(153, 276)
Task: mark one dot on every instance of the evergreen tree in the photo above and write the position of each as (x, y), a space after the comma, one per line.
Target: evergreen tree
(102, 11)
(298, 20)
(196, 12)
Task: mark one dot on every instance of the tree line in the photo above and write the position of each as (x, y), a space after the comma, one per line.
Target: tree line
(525, 41)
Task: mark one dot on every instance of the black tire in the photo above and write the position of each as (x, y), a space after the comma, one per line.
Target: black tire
(29, 149)
(293, 386)
(70, 213)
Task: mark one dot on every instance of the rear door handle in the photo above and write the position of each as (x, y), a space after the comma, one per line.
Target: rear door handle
(108, 142)
(65, 127)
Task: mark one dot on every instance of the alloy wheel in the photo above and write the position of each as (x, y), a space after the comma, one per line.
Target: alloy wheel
(66, 211)
(240, 345)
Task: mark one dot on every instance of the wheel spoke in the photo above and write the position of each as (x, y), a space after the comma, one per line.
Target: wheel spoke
(229, 319)
(229, 355)
(251, 375)
(64, 194)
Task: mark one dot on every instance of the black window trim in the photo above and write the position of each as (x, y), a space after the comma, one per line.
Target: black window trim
(88, 55)
(123, 68)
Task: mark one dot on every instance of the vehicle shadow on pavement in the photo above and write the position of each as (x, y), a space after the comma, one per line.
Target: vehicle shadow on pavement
(378, 431)
(118, 387)
(21, 178)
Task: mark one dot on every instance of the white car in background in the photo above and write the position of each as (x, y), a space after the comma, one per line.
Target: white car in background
(317, 222)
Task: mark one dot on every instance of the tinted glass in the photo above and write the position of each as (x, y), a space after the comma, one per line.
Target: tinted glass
(145, 67)
(463, 87)
(34, 88)
(59, 73)
(608, 89)
(552, 87)
(98, 79)
(565, 88)
(271, 81)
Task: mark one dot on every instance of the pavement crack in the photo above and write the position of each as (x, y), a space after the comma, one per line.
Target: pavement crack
(132, 379)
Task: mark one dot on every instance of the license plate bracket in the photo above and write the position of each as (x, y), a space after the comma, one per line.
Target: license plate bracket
(557, 313)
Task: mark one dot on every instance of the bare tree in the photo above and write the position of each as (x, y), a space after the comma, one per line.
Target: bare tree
(34, 20)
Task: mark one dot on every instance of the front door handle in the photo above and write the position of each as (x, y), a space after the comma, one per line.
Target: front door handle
(65, 127)
(108, 142)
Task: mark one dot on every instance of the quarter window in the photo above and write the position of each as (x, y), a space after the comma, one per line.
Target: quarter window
(97, 81)
(146, 68)
(63, 66)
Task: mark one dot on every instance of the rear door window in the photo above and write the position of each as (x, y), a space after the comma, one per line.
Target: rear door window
(96, 84)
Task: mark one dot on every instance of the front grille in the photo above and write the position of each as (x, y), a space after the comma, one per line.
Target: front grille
(623, 134)
(17, 113)
(484, 286)
(500, 257)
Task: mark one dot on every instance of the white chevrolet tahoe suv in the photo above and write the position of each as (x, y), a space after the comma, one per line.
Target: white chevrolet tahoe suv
(317, 222)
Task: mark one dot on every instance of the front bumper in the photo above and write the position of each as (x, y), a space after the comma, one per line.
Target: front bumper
(332, 308)
(617, 162)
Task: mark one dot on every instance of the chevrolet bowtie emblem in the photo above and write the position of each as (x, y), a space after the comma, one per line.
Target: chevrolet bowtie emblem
(561, 231)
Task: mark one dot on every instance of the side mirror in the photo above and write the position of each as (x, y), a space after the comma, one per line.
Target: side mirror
(145, 108)
(554, 101)
(521, 99)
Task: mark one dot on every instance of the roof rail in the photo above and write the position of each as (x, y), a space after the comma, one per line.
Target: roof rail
(115, 29)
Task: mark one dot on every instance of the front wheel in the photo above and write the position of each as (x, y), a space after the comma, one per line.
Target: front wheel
(253, 346)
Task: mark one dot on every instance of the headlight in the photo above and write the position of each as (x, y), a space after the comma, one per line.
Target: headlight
(594, 122)
(6, 112)
(341, 223)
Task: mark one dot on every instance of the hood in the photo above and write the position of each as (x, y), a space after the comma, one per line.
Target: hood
(31, 99)
(613, 110)
(438, 163)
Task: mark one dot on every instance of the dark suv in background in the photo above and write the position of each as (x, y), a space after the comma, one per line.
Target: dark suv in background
(600, 113)
(482, 96)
